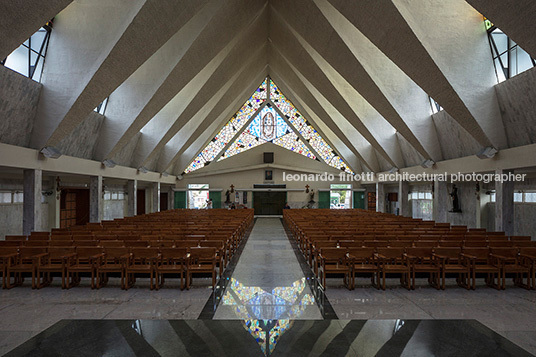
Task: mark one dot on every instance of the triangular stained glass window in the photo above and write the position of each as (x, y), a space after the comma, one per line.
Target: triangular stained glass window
(268, 126)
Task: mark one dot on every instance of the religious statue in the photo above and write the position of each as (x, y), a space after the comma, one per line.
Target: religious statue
(227, 197)
(455, 200)
(310, 197)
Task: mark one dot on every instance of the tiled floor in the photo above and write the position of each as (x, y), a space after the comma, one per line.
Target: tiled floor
(269, 283)
(25, 312)
(365, 338)
(511, 312)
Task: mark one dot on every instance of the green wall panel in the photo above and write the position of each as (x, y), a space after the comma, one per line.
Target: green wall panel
(359, 199)
(216, 198)
(180, 199)
(323, 199)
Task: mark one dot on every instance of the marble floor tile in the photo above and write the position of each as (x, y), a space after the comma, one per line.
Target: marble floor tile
(11, 339)
(268, 282)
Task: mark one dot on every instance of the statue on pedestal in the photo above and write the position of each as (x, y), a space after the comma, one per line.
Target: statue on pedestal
(455, 199)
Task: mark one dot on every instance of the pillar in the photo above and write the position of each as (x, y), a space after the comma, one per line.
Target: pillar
(32, 208)
(95, 199)
(380, 197)
(441, 201)
(504, 205)
(171, 198)
(156, 197)
(132, 198)
(403, 202)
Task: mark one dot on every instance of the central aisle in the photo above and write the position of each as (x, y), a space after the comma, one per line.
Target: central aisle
(268, 283)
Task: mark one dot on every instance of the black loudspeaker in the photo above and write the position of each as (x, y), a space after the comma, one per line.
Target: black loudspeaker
(268, 157)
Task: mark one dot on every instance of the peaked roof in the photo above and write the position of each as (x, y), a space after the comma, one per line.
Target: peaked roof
(268, 116)
(361, 72)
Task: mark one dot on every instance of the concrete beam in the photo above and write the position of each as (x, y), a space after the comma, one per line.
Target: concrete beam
(215, 87)
(514, 17)
(295, 54)
(405, 96)
(327, 113)
(131, 97)
(137, 42)
(212, 128)
(212, 44)
(24, 158)
(32, 209)
(304, 101)
(334, 137)
(397, 40)
(21, 19)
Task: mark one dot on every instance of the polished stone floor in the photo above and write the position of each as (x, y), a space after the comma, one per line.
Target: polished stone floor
(268, 283)
(25, 312)
(268, 338)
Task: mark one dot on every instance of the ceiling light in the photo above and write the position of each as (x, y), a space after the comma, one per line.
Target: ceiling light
(143, 169)
(179, 177)
(487, 153)
(427, 164)
(51, 152)
(393, 170)
(109, 163)
(164, 174)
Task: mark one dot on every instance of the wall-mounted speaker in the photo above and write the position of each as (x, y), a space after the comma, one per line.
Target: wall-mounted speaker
(268, 157)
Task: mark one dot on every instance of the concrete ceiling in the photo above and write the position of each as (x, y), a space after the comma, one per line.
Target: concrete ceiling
(176, 71)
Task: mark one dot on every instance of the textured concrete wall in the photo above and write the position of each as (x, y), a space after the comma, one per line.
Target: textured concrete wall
(81, 141)
(11, 219)
(454, 140)
(517, 100)
(19, 96)
(468, 203)
(114, 209)
(524, 222)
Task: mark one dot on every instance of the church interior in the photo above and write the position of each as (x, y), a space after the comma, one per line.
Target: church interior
(268, 177)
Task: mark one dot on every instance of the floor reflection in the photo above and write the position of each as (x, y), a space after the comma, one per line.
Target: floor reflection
(258, 337)
(254, 304)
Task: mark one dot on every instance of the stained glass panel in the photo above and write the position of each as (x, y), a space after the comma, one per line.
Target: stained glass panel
(305, 129)
(268, 126)
(293, 143)
(230, 129)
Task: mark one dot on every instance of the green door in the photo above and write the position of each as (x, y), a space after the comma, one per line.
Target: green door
(323, 199)
(359, 199)
(180, 199)
(216, 198)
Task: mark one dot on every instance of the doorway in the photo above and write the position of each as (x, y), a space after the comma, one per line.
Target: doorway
(340, 196)
(74, 207)
(269, 203)
(140, 204)
(163, 201)
(198, 196)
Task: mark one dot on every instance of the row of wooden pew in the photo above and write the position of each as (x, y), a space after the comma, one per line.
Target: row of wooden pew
(333, 243)
(180, 245)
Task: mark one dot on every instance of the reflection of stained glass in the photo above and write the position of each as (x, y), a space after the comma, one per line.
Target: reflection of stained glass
(287, 301)
(305, 129)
